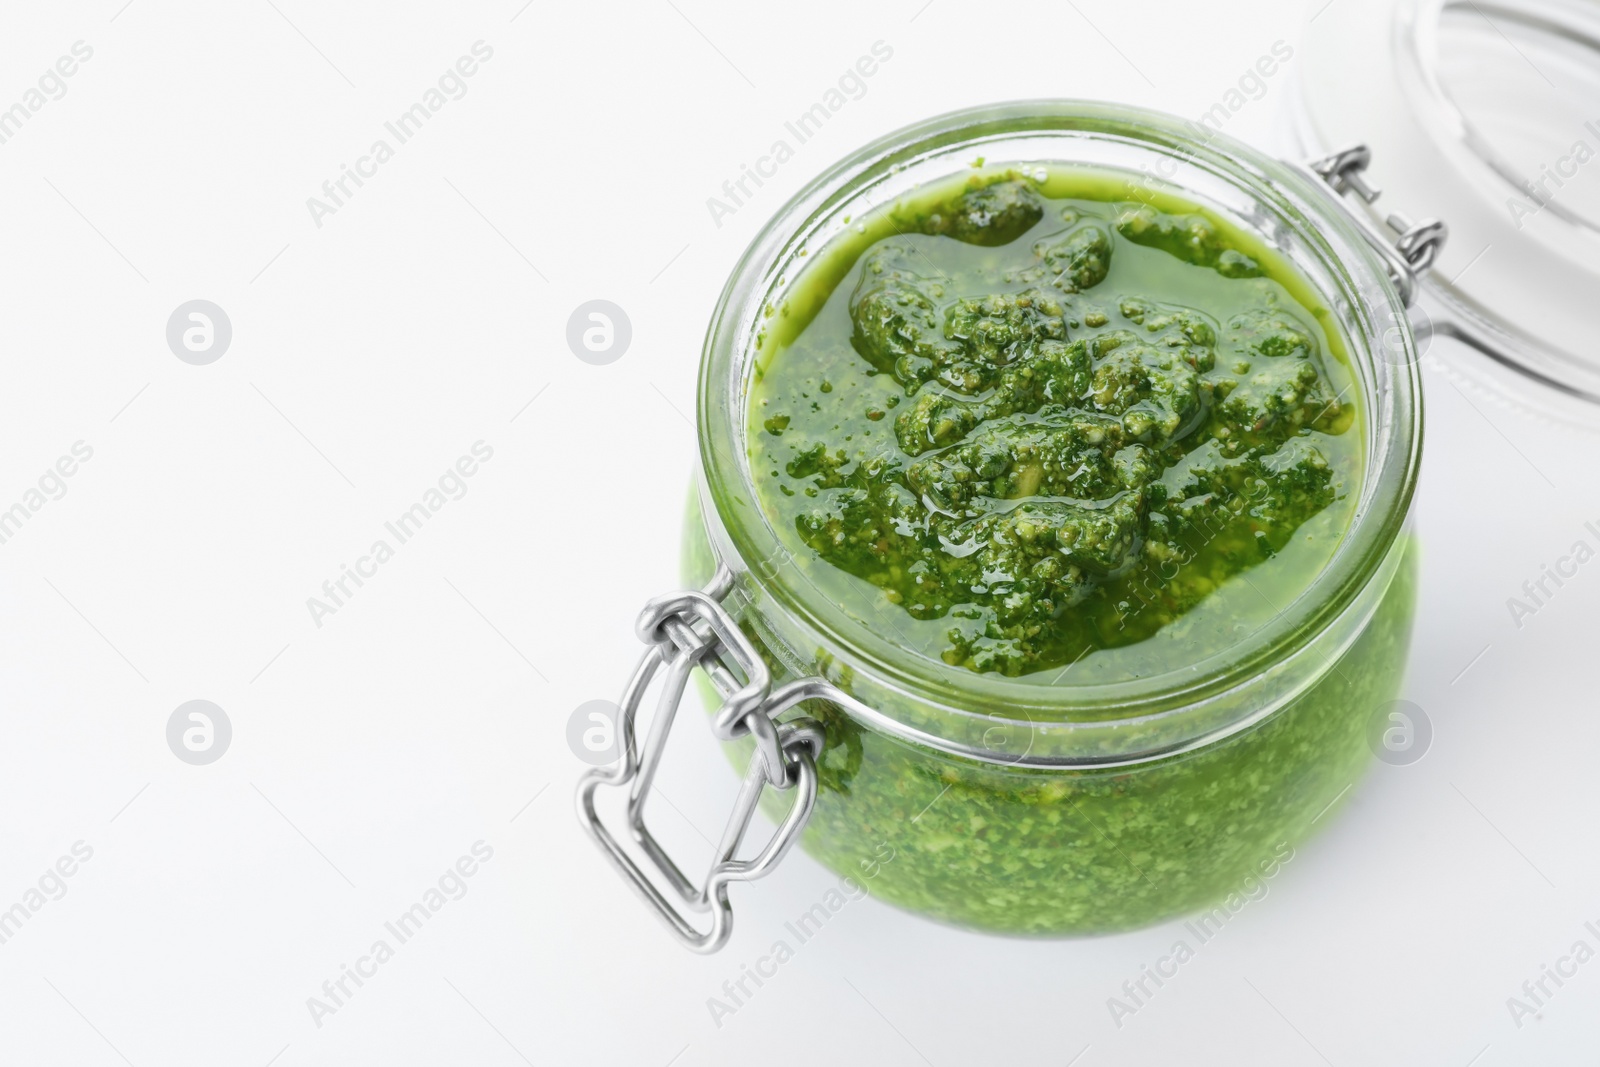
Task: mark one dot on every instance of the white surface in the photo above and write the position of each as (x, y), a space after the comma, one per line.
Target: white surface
(372, 752)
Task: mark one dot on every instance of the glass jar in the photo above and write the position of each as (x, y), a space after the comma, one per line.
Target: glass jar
(1044, 804)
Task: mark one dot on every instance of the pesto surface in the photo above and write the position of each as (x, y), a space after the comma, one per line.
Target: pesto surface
(1044, 421)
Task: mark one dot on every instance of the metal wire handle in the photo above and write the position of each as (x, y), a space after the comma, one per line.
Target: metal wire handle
(1410, 249)
(692, 629)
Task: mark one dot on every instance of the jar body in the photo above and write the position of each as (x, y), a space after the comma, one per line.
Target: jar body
(1030, 805)
(1052, 851)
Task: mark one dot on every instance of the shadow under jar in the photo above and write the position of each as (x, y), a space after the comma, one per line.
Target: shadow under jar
(1144, 778)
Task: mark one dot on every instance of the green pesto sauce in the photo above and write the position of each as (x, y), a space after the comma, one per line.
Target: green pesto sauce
(1045, 420)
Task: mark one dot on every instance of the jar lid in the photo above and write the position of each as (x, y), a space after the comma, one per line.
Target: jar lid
(1485, 113)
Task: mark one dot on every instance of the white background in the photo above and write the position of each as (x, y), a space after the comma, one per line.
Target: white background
(429, 712)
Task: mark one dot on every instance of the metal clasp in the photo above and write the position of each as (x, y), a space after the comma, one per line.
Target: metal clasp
(1410, 249)
(686, 630)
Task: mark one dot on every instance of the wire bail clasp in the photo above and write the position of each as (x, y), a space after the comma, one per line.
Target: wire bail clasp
(685, 630)
(1409, 249)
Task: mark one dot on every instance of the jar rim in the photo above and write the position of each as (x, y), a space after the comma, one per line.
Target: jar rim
(1295, 198)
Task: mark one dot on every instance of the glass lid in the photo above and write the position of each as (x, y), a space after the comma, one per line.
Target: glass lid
(1485, 113)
